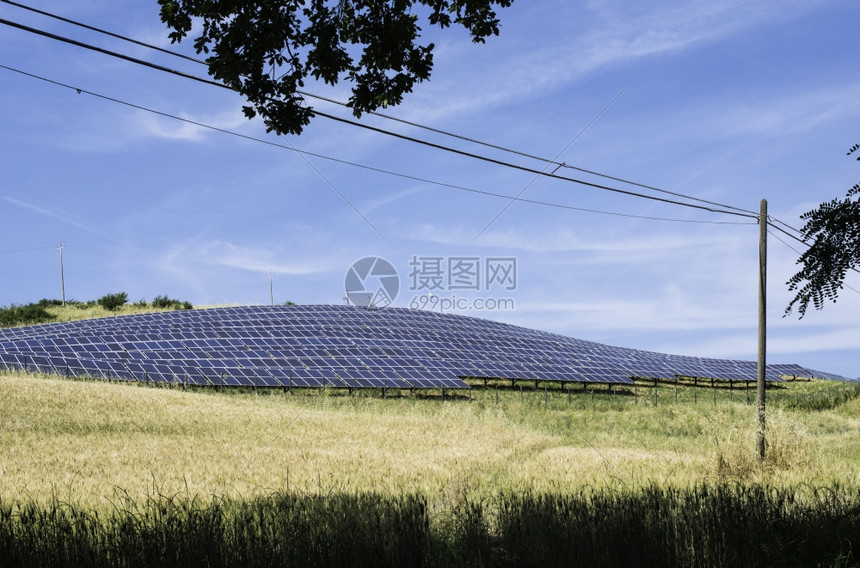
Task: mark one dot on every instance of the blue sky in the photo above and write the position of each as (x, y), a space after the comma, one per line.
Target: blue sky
(726, 101)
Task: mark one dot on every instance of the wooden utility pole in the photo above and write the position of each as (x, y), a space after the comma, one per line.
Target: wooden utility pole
(762, 323)
(62, 275)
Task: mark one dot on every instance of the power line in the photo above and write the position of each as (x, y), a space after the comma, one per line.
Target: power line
(533, 170)
(396, 119)
(783, 223)
(116, 54)
(88, 248)
(557, 156)
(27, 246)
(339, 192)
(389, 133)
(786, 233)
(14, 250)
(325, 115)
(358, 165)
(548, 161)
(774, 235)
(186, 75)
(316, 397)
(103, 31)
(798, 239)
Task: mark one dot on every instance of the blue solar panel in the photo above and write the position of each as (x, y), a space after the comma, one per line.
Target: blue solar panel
(340, 347)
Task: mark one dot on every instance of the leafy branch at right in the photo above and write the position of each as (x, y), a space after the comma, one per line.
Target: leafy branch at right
(833, 229)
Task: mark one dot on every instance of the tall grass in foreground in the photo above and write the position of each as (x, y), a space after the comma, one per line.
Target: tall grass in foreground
(280, 530)
(708, 525)
(723, 525)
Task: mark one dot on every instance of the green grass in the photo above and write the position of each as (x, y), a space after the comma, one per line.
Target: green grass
(474, 474)
(705, 525)
(91, 439)
(52, 311)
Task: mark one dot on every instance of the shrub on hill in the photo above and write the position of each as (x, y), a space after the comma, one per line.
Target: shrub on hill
(113, 302)
(24, 315)
(163, 302)
(78, 304)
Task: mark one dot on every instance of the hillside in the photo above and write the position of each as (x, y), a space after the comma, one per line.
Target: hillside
(91, 439)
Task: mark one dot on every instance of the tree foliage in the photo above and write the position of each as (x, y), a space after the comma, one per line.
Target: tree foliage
(24, 315)
(163, 302)
(112, 302)
(265, 49)
(834, 230)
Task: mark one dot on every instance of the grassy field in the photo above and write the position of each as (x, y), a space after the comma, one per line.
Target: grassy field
(104, 474)
(51, 311)
(90, 311)
(89, 441)
(94, 473)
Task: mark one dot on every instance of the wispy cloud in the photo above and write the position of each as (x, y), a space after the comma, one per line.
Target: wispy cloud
(781, 347)
(223, 255)
(210, 266)
(565, 240)
(669, 312)
(772, 115)
(607, 34)
(389, 199)
(150, 125)
(54, 213)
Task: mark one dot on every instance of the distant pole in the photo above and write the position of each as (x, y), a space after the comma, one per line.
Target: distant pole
(62, 276)
(762, 323)
(271, 287)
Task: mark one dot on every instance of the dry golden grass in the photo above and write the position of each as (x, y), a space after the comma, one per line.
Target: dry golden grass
(91, 440)
(72, 312)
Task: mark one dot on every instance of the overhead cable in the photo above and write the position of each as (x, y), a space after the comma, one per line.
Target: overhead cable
(104, 31)
(378, 130)
(545, 168)
(359, 165)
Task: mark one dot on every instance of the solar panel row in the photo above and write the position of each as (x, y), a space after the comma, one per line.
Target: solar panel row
(338, 346)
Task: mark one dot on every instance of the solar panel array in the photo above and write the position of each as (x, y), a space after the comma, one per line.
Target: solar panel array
(791, 370)
(335, 346)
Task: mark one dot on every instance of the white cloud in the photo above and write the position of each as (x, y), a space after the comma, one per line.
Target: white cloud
(389, 199)
(223, 255)
(670, 312)
(608, 34)
(627, 243)
(54, 213)
(775, 116)
(782, 347)
(149, 125)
